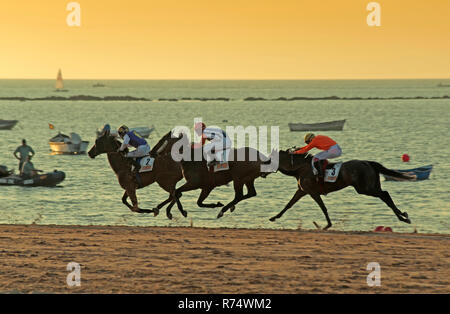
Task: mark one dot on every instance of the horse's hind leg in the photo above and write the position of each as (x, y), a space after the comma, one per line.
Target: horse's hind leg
(238, 196)
(319, 201)
(298, 195)
(385, 197)
(203, 195)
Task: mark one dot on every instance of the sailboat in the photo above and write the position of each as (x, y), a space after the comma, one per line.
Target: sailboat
(59, 83)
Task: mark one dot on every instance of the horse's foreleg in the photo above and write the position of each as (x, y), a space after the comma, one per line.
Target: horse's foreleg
(176, 195)
(124, 200)
(298, 195)
(203, 195)
(238, 196)
(319, 201)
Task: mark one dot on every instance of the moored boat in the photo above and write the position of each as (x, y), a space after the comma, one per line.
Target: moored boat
(48, 179)
(420, 173)
(337, 125)
(63, 144)
(7, 124)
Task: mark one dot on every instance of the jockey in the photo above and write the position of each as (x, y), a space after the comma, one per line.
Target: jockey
(218, 148)
(132, 139)
(330, 149)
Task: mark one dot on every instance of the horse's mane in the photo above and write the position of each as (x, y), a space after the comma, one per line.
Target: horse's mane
(307, 156)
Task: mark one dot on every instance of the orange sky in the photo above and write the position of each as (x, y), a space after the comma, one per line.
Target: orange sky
(233, 39)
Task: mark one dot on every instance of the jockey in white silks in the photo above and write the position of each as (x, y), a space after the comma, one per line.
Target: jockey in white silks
(218, 149)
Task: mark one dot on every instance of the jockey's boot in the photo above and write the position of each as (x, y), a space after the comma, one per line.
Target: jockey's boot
(318, 166)
(137, 166)
(210, 164)
(321, 173)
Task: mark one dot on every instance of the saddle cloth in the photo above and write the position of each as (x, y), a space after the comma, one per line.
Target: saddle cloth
(146, 163)
(332, 172)
(221, 166)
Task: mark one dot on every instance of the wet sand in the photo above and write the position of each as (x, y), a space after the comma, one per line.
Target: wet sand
(34, 258)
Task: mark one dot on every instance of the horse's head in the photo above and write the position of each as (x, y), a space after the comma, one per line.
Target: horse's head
(292, 162)
(164, 145)
(106, 143)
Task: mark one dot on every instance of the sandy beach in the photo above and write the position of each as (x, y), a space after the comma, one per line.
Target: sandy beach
(196, 260)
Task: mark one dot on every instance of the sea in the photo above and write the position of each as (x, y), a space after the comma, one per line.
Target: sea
(384, 120)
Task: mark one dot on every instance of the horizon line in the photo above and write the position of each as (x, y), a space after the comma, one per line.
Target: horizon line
(233, 79)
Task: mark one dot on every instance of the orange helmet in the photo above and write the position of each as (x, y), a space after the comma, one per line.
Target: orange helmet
(200, 126)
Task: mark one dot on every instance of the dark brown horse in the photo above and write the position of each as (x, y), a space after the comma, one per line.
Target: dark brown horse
(165, 172)
(363, 175)
(198, 176)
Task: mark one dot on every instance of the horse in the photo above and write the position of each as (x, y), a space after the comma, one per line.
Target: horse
(165, 172)
(198, 176)
(363, 175)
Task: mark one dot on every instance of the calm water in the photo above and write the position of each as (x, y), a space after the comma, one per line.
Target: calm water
(380, 130)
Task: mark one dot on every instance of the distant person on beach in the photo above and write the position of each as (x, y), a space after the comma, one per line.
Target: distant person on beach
(28, 169)
(24, 151)
(330, 149)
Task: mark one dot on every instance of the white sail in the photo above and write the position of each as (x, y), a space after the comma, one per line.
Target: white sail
(59, 81)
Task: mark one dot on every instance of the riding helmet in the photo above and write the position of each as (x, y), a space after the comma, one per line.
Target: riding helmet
(123, 130)
(309, 137)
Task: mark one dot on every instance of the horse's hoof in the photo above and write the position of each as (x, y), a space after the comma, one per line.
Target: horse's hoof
(220, 214)
(407, 221)
(326, 228)
(219, 204)
(184, 213)
(272, 219)
(232, 208)
(405, 214)
(155, 211)
(169, 216)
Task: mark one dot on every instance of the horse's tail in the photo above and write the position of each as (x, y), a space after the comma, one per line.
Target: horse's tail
(396, 174)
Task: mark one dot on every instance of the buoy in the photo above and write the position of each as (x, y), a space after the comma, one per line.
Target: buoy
(405, 158)
(383, 229)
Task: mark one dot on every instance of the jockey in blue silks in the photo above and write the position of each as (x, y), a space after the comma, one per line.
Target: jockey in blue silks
(133, 139)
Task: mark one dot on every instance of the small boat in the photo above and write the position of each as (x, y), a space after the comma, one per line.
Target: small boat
(59, 83)
(142, 131)
(443, 85)
(7, 124)
(98, 85)
(337, 125)
(63, 144)
(48, 179)
(421, 173)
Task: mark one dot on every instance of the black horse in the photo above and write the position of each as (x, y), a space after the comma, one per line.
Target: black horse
(363, 175)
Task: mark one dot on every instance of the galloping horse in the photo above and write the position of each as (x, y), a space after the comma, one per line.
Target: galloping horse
(198, 176)
(363, 175)
(165, 171)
